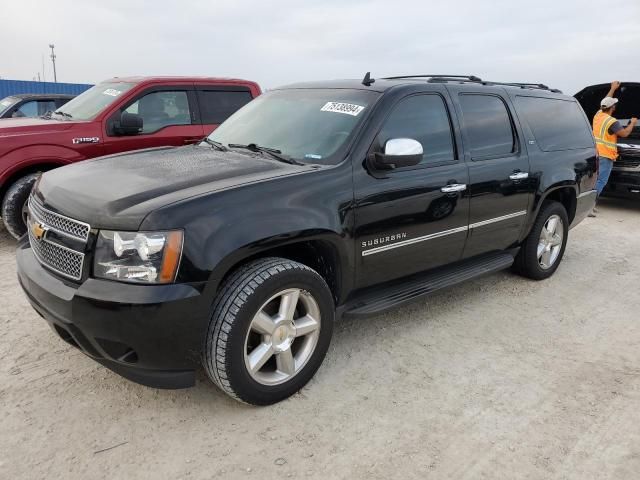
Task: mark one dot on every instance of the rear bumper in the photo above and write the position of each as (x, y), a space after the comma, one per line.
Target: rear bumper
(623, 183)
(151, 335)
(584, 204)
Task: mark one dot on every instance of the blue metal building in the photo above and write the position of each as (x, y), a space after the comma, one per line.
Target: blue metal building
(11, 87)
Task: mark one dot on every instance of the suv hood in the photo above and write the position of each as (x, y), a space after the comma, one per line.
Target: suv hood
(628, 95)
(118, 191)
(19, 126)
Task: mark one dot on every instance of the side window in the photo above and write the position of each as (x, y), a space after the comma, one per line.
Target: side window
(556, 124)
(161, 109)
(45, 106)
(28, 109)
(218, 105)
(61, 101)
(487, 125)
(423, 118)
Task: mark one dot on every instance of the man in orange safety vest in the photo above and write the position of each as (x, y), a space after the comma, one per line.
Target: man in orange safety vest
(606, 130)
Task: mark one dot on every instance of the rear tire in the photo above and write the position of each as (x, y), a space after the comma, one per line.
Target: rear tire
(14, 204)
(542, 251)
(270, 330)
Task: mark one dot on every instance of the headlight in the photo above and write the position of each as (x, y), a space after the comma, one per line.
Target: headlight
(146, 257)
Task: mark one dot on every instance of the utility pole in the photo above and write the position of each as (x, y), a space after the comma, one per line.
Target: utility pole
(53, 61)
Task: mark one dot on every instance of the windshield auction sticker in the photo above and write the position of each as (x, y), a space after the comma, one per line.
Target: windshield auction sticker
(347, 108)
(112, 92)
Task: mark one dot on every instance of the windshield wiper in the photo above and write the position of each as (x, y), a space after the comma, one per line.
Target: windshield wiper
(274, 152)
(64, 114)
(214, 144)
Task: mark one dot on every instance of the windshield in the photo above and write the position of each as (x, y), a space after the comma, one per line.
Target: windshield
(6, 103)
(90, 103)
(309, 125)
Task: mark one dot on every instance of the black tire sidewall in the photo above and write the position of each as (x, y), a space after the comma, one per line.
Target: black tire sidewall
(246, 387)
(13, 203)
(531, 266)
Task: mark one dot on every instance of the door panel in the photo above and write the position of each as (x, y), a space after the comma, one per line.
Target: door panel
(405, 222)
(499, 185)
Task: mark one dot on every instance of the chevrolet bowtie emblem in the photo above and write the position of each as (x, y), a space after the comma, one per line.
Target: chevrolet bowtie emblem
(38, 231)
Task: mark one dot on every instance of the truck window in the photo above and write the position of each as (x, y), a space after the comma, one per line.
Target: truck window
(423, 118)
(162, 109)
(35, 108)
(218, 105)
(556, 124)
(488, 126)
(27, 109)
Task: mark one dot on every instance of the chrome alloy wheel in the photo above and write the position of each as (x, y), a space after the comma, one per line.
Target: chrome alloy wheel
(282, 336)
(550, 242)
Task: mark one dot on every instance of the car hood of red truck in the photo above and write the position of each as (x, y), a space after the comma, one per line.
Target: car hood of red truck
(119, 191)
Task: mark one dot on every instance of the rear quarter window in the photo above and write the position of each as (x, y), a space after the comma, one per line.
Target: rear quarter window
(556, 124)
(218, 105)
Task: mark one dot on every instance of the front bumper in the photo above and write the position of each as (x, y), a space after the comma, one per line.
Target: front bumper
(150, 334)
(623, 183)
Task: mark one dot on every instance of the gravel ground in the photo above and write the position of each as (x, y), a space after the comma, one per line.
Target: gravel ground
(500, 378)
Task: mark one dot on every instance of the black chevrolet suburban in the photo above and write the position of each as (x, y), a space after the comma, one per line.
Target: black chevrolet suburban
(313, 202)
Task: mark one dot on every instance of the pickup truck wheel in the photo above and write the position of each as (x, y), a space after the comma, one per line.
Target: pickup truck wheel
(14, 205)
(270, 330)
(542, 251)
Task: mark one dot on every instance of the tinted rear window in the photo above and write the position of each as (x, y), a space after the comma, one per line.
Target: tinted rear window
(556, 124)
(218, 105)
(487, 125)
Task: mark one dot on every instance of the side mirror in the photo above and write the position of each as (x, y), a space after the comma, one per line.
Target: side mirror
(399, 152)
(129, 124)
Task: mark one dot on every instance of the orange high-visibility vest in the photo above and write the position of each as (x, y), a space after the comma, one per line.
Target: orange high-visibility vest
(606, 144)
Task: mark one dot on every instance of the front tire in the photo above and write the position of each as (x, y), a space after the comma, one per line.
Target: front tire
(14, 205)
(542, 251)
(270, 330)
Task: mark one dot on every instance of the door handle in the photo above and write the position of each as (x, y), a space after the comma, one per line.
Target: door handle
(453, 188)
(519, 175)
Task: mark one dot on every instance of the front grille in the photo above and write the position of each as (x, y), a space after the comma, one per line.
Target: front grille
(64, 225)
(60, 259)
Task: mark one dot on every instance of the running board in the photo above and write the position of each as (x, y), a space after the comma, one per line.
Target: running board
(379, 300)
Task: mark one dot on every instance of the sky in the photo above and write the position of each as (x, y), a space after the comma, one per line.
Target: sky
(564, 44)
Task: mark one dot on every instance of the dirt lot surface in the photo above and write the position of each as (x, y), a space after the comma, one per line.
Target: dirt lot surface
(500, 378)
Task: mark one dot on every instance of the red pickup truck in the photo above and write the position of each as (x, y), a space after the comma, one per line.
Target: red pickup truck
(114, 116)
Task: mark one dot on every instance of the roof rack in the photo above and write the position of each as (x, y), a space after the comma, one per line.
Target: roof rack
(473, 79)
(540, 86)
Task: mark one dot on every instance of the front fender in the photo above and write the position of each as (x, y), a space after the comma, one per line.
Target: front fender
(26, 157)
(333, 243)
(225, 228)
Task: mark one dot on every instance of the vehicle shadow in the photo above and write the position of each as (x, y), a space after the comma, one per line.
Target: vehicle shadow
(6, 240)
(630, 204)
(350, 332)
